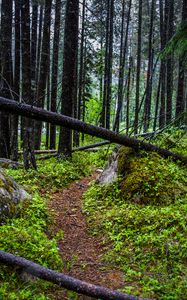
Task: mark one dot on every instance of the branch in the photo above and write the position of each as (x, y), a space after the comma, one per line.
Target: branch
(62, 280)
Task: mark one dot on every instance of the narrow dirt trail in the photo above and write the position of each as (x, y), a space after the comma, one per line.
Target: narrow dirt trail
(80, 251)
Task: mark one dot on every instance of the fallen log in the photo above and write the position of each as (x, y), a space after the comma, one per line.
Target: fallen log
(63, 280)
(41, 151)
(58, 119)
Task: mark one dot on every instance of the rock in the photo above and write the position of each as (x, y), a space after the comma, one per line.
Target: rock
(110, 173)
(11, 194)
(7, 163)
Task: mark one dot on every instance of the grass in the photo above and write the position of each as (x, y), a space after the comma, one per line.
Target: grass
(144, 217)
(25, 235)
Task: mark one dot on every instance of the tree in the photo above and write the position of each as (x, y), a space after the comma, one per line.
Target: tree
(28, 147)
(44, 68)
(69, 78)
(6, 79)
(54, 84)
(180, 103)
(138, 71)
(105, 115)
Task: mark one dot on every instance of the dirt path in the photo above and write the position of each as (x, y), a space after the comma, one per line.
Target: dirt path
(81, 252)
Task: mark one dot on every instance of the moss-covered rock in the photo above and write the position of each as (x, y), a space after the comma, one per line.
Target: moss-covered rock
(147, 178)
(11, 194)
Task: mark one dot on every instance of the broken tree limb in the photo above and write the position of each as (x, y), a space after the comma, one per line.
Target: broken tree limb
(86, 147)
(62, 280)
(41, 151)
(67, 122)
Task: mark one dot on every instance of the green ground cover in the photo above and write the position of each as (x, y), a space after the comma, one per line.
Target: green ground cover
(144, 217)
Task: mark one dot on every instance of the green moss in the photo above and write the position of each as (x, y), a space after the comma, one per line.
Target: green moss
(150, 179)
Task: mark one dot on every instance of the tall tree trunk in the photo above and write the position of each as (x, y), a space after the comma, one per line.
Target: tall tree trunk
(81, 73)
(28, 149)
(162, 113)
(34, 46)
(54, 85)
(42, 83)
(123, 51)
(138, 67)
(169, 63)
(128, 93)
(147, 107)
(39, 42)
(105, 114)
(6, 77)
(110, 58)
(15, 119)
(69, 72)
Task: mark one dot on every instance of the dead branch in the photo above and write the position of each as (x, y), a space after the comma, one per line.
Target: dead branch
(62, 280)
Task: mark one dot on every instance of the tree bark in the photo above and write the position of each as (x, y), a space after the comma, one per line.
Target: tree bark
(147, 107)
(123, 51)
(28, 149)
(138, 71)
(6, 79)
(62, 280)
(69, 78)
(44, 68)
(54, 84)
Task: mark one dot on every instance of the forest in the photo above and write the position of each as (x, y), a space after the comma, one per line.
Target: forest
(93, 149)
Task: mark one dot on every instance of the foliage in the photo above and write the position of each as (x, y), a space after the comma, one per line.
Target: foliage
(55, 173)
(25, 236)
(143, 215)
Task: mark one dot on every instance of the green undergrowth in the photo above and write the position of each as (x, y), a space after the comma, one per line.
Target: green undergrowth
(25, 235)
(144, 218)
(54, 173)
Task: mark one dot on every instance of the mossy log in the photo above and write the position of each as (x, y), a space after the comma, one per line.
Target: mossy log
(58, 119)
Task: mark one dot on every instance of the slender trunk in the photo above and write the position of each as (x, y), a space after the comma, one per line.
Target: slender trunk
(33, 46)
(103, 112)
(138, 67)
(69, 78)
(162, 114)
(128, 93)
(54, 86)
(39, 41)
(123, 51)
(81, 74)
(28, 149)
(110, 58)
(147, 107)
(6, 79)
(15, 119)
(42, 83)
(169, 63)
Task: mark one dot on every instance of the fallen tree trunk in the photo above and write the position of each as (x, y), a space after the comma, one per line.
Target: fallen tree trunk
(40, 151)
(53, 153)
(58, 119)
(62, 280)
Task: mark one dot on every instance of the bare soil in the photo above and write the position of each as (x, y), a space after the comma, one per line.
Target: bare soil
(80, 251)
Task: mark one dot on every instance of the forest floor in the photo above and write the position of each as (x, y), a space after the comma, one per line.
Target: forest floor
(81, 252)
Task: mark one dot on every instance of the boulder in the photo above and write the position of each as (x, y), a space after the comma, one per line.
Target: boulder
(11, 194)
